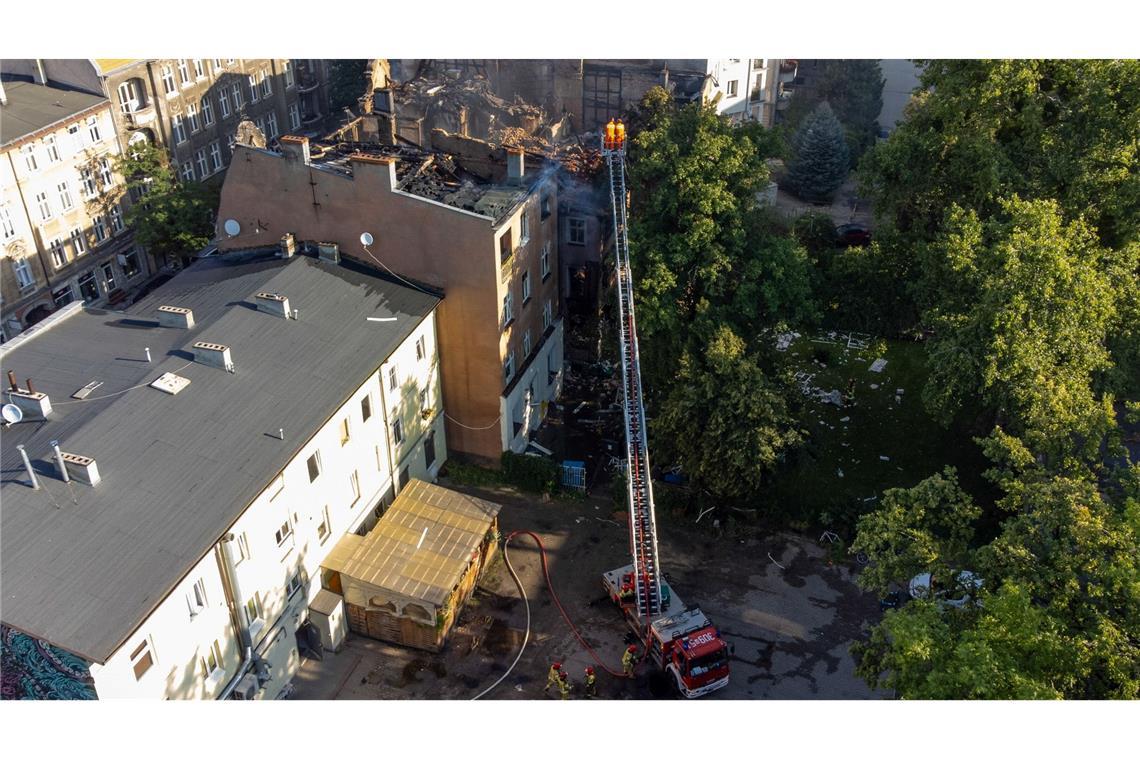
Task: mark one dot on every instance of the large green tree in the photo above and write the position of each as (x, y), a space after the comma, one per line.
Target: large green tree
(819, 162)
(854, 90)
(169, 216)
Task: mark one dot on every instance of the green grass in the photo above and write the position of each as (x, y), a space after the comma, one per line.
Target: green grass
(808, 491)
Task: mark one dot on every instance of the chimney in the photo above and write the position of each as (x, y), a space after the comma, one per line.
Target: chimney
(213, 355)
(175, 316)
(383, 167)
(516, 165)
(38, 72)
(34, 405)
(288, 245)
(329, 252)
(81, 468)
(273, 303)
(295, 148)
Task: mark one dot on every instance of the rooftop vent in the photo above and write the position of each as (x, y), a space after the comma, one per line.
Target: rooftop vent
(288, 245)
(329, 252)
(86, 390)
(81, 468)
(213, 355)
(175, 316)
(170, 383)
(33, 404)
(273, 303)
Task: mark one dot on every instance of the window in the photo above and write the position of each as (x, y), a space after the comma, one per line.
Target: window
(78, 242)
(398, 431)
(64, 190)
(224, 101)
(733, 88)
(218, 65)
(29, 152)
(7, 227)
(51, 149)
(63, 296)
(99, 227)
(294, 117)
(207, 111)
(576, 230)
(192, 117)
(509, 367)
(23, 273)
(283, 532)
(108, 276)
(526, 287)
(526, 344)
(393, 382)
(58, 255)
(44, 206)
(93, 130)
(129, 100)
(254, 96)
(183, 72)
(547, 316)
(199, 69)
(266, 85)
(294, 584)
(314, 466)
(344, 431)
(271, 125)
(196, 597)
(508, 309)
(421, 348)
(287, 70)
(505, 247)
(354, 487)
(142, 659)
(187, 172)
(130, 264)
(405, 476)
(253, 609)
(524, 228)
(243, 547)
(76, 135)
(106, 176)
(544, 206)
(212, 663)
(429, 449)
(325, 528)
(88, 188)
(544, 259)
(259, 122)
(216, 155)
(168, 80)
(178, 127)
(88, 289)
(236, 92)
(425, 407)
(203, 164)
(116, 220)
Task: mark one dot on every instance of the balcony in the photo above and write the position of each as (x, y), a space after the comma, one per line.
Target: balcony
(788, 71)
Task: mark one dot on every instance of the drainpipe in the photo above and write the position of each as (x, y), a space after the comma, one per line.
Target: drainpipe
(224, 553)
(388, 438)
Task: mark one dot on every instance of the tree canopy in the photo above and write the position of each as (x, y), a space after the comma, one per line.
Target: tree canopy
(854, 90)
(819, 156)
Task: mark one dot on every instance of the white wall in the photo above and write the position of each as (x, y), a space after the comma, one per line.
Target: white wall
(535, 387)
(724, 71)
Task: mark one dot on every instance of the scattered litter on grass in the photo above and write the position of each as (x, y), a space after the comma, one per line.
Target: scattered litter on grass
(877, 365)
(774, 562)
(885, 459)
(871, 498)
(839, 472)
(844, 419)
(899, 391)
(783, 340)
(834, 397)
(874, 386)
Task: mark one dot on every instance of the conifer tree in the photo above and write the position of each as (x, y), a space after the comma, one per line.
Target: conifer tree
(820, 161)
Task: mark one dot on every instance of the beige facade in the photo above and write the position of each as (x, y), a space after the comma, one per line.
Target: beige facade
(62, 231)
(497, 265)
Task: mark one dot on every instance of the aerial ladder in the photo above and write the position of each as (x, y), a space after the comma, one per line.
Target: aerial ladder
(682, 642)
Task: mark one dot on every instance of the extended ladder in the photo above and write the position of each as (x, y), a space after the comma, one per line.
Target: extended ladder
(642, 526)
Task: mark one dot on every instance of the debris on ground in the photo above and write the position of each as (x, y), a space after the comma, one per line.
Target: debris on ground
(877, 365)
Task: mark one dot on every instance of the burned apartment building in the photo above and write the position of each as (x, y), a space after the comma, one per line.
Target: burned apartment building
(482, 232)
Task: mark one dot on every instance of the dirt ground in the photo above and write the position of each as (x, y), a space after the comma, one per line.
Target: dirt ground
(846, 207)
(791, 626)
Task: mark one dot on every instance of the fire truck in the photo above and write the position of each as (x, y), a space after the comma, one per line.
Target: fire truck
(679, 640)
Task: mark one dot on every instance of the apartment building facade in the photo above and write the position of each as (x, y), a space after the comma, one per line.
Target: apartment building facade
(488, 241)
(62, 231)
(214, 580)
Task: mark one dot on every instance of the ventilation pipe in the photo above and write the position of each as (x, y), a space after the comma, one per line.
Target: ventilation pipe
(59, 461)
(28, 466)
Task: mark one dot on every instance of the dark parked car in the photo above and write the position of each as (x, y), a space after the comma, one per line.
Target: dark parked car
(852, 234)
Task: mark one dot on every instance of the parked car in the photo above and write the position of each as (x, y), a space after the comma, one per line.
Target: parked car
(956, 594)
(852, 234)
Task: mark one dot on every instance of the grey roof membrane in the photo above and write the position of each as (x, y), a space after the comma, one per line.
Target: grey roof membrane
(34, 106)
(82, 567)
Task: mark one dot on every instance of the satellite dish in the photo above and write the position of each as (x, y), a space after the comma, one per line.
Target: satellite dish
(232, 227)
(366, 238)
(11, 414)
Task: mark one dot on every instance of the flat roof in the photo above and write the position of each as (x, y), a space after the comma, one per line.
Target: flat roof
(31, 107)
(84, 566)
(422, 545)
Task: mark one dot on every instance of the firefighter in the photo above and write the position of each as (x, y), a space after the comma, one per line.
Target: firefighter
(620, 129)
(590, 688)
(610, 135)
(564, 685)
(552, 675)
(626, 594)
(629, 659)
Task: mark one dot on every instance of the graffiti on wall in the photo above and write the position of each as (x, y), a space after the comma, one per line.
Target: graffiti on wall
(34, 669)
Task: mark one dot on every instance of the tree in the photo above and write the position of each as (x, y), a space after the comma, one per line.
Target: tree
(724, 421)
(348, 81)
(820, 161)
(170, 217)
(854, 90)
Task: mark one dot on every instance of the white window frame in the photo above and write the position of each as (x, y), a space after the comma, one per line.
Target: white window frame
(99, 227)
(88, 186)
(544, 259)
(106, 173)
(239, 99)
(213, 672)
(29, 152)
(110, 281)
(354, 488)
(207, 108)
(116, 220)
(547, 315)
(76, 133)
(398, 431)
(199, 69)
(266, 85)
(508, 309)
(525, 288)
(526, 343)
(192, 117)
(732, 89)
(58, 253)
(326, 524)
(44, 205)
(7, 226)
(93, 130)
(271, 125)
(196, 600)
(186, 173)
(78, 242)
(295, 116)
(421, 348)
(224, 102)
(130, 99)
(183, 72)
(509, 366)
(283, 532)
(65, 201)
(51, 150)
(178, 128)
(24, 277)
(393, 378)
(254, 95)
(524, 227)
(203, 164)
(575, 223)
(216, 155)
(287, 70)
(253, 611)
(168, 85)
(314, 460)
(84, 279)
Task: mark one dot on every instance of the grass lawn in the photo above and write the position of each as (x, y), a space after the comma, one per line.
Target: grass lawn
(853, 453)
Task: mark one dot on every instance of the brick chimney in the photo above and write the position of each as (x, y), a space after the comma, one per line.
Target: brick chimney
(381, 169)
(295, 148)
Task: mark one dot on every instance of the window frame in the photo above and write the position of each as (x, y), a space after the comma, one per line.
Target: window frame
(365, 407)
(544, 260)
(224, 102)
(57, 253)
(203, 164)
(398, 431)
(23, 271)
(314, 463)
(65, 201)
(283, 532)
(421, 348)
(78, 241)
(169, 87)
(144, 652)
(525, 288)
(575, 223)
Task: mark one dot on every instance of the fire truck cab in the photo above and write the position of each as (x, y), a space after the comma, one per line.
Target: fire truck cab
(682, 642)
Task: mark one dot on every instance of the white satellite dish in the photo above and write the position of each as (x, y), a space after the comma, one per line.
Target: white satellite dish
(11, 414)
(366, 238)
(231, 227)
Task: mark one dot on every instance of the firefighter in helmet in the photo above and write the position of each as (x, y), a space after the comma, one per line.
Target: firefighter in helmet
(629, 659)
(620, 135)
(590, 687)
(564, 685)
(625, 596)
(552, 675)
(610, 128)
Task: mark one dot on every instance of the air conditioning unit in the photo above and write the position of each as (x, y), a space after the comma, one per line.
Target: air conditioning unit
(247, 687)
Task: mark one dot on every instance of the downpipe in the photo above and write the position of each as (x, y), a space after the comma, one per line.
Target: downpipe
(223, 551)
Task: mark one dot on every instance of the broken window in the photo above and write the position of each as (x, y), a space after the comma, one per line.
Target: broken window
(601, 96)
(733, 88)
(545, 207)
(576, 230)
(505, 247)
